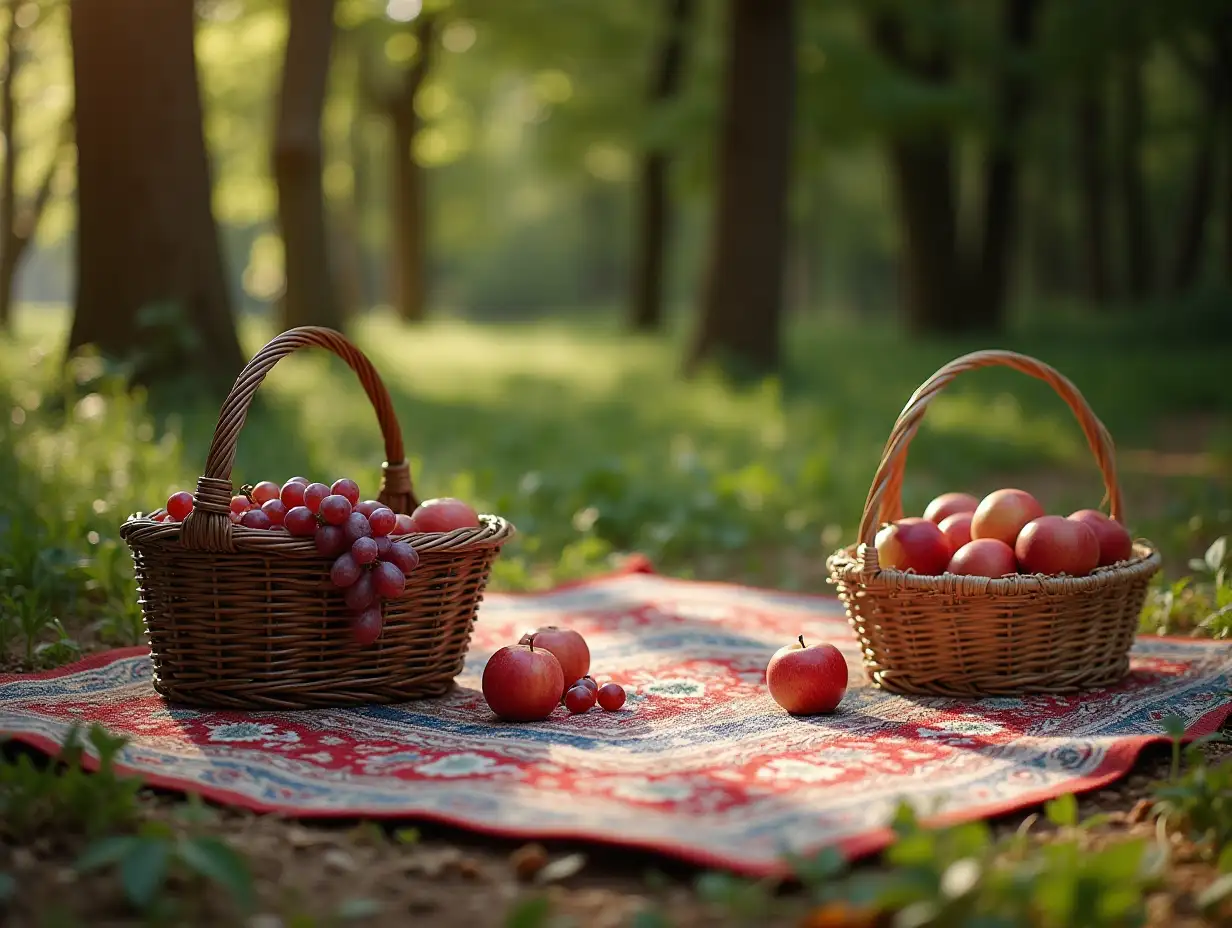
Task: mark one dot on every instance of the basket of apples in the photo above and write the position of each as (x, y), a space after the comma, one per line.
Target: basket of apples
(299, 594)
(992, 597)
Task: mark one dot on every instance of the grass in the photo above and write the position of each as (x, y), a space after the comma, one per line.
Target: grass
(588, 441)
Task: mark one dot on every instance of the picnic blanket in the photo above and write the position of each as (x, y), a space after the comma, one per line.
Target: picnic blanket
(700, 763)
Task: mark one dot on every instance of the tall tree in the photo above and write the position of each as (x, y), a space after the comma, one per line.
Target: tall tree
(1135, 211)
(1090, 120)
(146, 238)
(311, 296)
(985, 309)
(19, 218)
(408, 203)
(742, 296)
(950, 285)
(653, 222)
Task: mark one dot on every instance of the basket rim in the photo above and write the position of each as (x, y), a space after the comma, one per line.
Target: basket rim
(846, 566)
(139, 530)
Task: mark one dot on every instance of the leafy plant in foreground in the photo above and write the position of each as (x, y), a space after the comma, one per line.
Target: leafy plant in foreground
(147, 859)
(50, 800)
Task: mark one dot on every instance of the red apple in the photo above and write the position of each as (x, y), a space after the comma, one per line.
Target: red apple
(1056, 545)
(957, 528)
(984, 557)
(523, 683)
(1114, 542)
(807, 680)
(443, 515)
(568, 646)
(913, 544)
(948, 504)
(1002, 514)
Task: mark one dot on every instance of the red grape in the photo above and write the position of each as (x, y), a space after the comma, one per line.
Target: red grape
(345, 571)
(364, 550)
(240, 505)
(402, 524)
(299, 521)
(382, 547)
(369, 506)
(611, 696)
(276, 509)
(264, 491)
(292, 494)
(579, 699)
(313, 494)
(361, 594)
(329, 541)
(179, 505)
(366, 626)
(382, 521)
(356, 526)
(300, 480)
(347, 488)
(388, 580)
(335, 509)
(402, 556)
(256, 518)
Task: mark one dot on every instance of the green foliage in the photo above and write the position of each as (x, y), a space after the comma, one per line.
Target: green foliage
(66, 799)
(145, 861)
(1199, 801)
(1197, 604)
(963, 877)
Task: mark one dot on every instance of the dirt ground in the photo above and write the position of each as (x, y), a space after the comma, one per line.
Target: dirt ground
(367, 876)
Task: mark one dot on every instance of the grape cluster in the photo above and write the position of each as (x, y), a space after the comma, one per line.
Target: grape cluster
(368, 565)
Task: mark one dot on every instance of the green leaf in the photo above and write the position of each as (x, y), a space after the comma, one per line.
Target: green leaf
(106, 851)
(1062, 811)
(1174, 726)
(649, 918)
(1216, 553)
(358, 907)
(1225, 860)
(530, 912)
(818, 868)
(216, 860)
(1216, 894)
(143, 871)
(407, 835)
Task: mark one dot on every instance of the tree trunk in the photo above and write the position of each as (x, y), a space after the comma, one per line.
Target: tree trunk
(743, 293)
(984, 310)
(18, 221)
(146, 238)
(311, 297)
(1093, 193)
(410, 259)
(653, 223)
(1191, 240)
(1139, 264)
(922, 174)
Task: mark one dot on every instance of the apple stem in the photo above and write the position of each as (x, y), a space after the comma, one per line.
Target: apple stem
(801, 641)
(530, 642)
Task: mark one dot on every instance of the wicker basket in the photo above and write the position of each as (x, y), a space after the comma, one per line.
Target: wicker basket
(974, 636)
(247, 618)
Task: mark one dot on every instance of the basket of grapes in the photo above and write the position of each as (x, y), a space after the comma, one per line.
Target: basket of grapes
(992, 596)
(299, 594)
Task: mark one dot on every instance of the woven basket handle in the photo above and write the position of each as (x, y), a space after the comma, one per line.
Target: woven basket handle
(209, 525)
(884, 502)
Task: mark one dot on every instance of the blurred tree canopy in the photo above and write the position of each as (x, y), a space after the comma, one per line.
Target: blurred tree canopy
(954, 158)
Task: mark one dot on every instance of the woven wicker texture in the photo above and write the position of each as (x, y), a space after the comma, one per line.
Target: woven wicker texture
(247, 618)
(975, 636)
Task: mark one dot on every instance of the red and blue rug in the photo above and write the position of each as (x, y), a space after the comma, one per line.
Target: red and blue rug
(700, 764)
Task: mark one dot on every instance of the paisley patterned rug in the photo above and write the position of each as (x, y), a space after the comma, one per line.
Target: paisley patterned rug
(700, 763)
